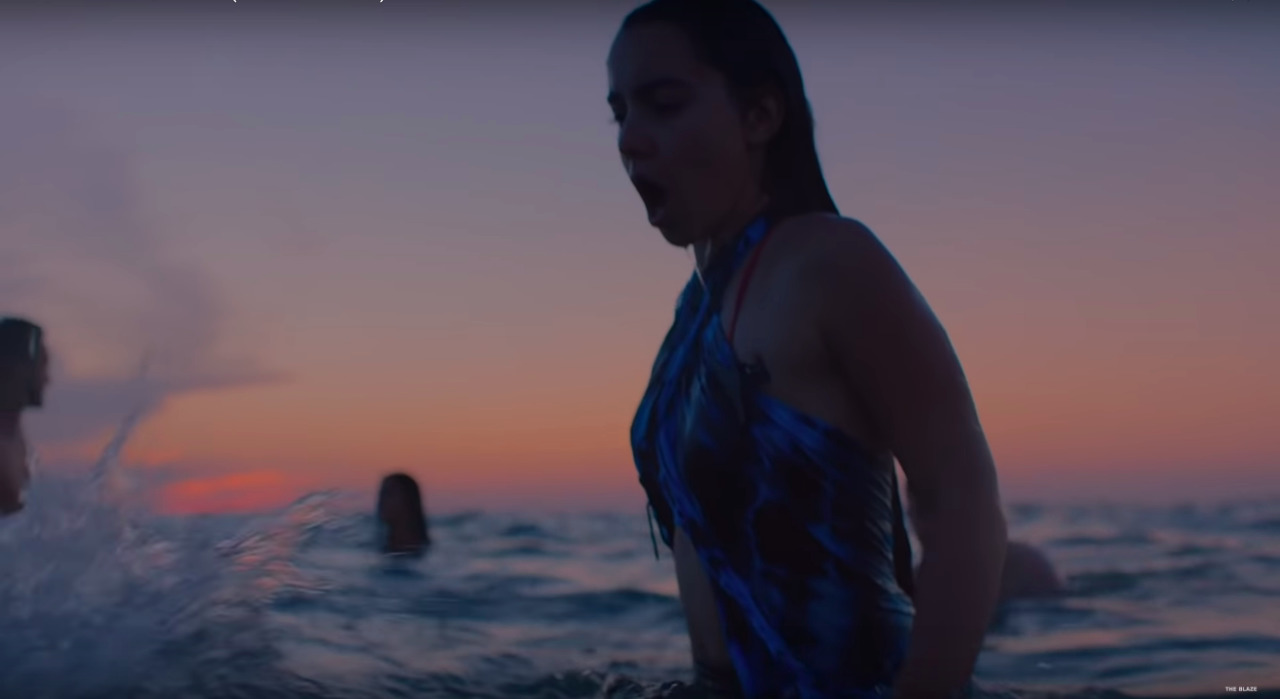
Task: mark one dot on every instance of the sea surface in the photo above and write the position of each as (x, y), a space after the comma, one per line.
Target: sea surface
(101, 598)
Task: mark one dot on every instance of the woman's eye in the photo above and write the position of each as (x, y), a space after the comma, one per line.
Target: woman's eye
(667, 108)
(661, 109)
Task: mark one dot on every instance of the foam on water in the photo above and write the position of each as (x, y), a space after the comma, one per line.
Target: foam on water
(100, 598)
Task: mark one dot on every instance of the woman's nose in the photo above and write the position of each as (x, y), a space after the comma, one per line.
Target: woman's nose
(634, 141)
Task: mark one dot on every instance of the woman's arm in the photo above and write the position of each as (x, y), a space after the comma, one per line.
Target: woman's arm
(894, 355)
(706, 635)
(14, 470)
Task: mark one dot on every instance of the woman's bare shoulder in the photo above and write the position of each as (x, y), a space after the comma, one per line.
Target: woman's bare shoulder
(831, 248)
(819, 232)
(840, 262)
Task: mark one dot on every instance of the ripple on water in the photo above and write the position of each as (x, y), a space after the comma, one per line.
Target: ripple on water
(298, 604)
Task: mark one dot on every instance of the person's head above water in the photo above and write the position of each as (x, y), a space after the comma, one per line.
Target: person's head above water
(1027, 570)
(24, 365)
(713, 121)
(24, 374)
(401, 513)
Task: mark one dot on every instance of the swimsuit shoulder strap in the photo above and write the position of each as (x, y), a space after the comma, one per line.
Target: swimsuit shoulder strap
(747, 271)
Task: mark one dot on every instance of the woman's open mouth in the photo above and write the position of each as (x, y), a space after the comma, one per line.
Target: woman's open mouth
(653, 195)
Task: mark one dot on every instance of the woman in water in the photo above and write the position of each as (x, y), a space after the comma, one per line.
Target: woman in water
(402, 520)
(24, 375)
(1027, 572)
(802, 360)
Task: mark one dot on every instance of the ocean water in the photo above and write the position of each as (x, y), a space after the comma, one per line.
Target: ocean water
(100, 598)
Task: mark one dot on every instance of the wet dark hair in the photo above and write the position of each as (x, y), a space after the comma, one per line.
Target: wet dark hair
(743, 42)
(20, 339)
(407, 485)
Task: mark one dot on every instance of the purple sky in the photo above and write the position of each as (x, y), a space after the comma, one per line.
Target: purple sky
(402, 238)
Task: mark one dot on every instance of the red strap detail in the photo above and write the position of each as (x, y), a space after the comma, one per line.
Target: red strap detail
(747, 271)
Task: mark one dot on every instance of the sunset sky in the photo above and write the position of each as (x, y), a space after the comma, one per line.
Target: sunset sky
(383, 238)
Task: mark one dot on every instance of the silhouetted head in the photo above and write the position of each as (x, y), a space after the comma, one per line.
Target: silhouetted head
(1027, 571)
(713, 121)
(24, 364)
(402, 516)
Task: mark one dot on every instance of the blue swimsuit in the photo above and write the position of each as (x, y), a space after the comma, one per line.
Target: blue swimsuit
(799, 527)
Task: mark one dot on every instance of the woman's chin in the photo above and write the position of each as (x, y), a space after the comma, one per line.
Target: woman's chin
(679, 236)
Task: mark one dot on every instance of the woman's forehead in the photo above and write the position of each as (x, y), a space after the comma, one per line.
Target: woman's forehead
(653, 52)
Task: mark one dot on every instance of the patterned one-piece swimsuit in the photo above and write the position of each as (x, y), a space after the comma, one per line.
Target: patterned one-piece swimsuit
(798, 526)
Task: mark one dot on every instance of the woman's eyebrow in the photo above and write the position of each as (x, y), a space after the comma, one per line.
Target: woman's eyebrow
(647, 88)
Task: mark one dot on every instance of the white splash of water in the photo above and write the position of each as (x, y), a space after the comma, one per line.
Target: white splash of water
(107, 475)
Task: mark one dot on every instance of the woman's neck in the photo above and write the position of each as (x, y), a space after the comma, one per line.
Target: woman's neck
(728, 230)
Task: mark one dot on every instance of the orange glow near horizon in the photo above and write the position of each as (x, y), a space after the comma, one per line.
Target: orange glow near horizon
(228, 494)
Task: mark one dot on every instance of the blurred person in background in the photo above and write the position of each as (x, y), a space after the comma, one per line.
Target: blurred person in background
(402, 521)
(1027, 571)
(24, 375)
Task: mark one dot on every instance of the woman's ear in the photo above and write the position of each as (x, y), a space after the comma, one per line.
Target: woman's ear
(763, 117)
